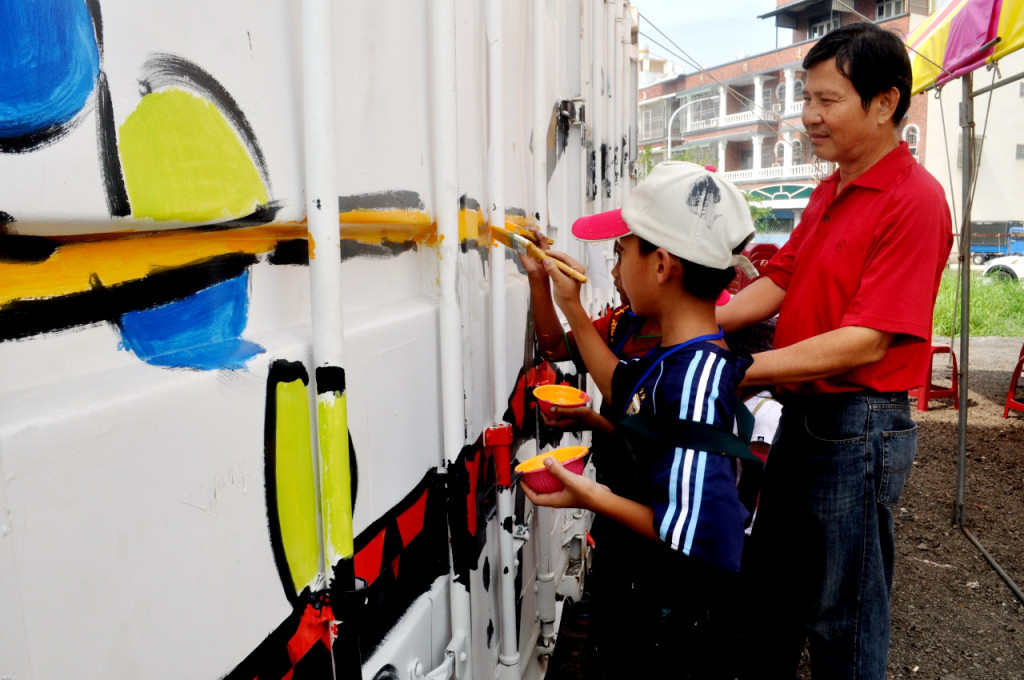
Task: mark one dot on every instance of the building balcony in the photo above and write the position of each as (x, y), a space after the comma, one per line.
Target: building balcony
(802, 171)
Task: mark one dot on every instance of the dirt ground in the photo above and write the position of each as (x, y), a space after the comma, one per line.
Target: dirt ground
(953, 616)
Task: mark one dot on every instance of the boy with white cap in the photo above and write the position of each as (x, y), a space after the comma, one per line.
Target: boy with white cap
(680, 234)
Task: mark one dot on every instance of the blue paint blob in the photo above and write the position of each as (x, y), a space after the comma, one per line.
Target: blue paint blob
(49, 63)
(202, 331)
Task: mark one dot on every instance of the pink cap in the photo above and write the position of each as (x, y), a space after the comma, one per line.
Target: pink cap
(723, 298)
(600, 227)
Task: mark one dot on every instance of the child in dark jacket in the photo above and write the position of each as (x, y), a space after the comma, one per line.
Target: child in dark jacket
(679, 235)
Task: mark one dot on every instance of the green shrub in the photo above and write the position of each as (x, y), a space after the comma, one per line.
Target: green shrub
(997, 306)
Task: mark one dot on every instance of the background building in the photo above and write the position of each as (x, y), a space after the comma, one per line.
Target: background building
(744, 116)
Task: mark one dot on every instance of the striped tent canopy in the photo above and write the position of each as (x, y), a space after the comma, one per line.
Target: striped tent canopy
(963, 36)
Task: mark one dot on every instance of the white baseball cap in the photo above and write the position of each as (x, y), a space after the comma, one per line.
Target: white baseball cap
(686, 209)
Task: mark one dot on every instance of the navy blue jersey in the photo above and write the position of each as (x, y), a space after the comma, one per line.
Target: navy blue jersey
(697, 510)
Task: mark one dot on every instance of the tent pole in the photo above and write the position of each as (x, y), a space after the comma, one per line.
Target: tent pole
(963, 257)
(967, 146)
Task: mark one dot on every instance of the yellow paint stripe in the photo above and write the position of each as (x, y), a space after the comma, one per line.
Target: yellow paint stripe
(126, 256)
(295, 484)
(335, 476)
(131, 257)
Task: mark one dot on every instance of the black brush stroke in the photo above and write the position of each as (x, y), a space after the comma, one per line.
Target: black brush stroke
(118, 203)
(168, 70)
(280, 372)
(382, 200)
(25, 318)
(23, 249)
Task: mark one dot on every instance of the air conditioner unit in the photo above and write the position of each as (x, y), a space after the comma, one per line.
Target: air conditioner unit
(777, 107)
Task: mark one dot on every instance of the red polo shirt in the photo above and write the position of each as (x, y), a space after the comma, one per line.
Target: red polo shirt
(871, 256)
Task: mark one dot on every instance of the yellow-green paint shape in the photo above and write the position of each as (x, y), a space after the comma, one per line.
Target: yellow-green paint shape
(183, 161)
(335, 475)
(296, 485)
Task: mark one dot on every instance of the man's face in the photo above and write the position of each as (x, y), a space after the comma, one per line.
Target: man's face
(839, 128)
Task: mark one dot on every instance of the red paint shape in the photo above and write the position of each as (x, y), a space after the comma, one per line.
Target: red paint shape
(518, 402)
(367, 562)
(410, 522)
(394, 566)
(543, 374)
(314, 627)
(472, 467)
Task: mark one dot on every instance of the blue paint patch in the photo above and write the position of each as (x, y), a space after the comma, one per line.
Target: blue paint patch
(49, 63)
(202, 331)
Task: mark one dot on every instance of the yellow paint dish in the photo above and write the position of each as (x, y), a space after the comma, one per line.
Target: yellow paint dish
(537, 477)
(559, 395)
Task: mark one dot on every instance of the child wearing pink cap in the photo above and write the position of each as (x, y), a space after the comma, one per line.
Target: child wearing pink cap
(680, 234)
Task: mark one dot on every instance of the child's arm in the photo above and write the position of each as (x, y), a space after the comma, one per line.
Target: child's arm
(598, 357)
(548, 327)
(577, 418)
(550, 334)
(583, 492)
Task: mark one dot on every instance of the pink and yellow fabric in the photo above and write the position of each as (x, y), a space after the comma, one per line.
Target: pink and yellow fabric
(963, 36)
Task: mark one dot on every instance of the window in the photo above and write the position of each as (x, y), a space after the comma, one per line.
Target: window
(780, 152)
(705, 155)
(705, 109)
(885, 9)
(798, 152)
(822, 25)
(746, 159)
(766, 98)
(652, 122)
(798, 89)
(912, 135)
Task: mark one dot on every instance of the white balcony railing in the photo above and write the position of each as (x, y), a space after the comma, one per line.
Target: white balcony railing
(732, 119)
(802, 171)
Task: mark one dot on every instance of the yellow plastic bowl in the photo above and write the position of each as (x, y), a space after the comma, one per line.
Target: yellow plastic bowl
(537, 476)
(559, 395)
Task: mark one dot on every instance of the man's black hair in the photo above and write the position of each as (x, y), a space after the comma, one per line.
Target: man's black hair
(704, 283)
(871, 58)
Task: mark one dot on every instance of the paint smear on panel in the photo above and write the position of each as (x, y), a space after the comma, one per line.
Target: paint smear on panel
(294, 484)
(336, 500)
(202, 331)
(49, 62)
(183, 161)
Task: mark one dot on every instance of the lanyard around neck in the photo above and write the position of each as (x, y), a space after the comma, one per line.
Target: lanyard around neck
(692, 341)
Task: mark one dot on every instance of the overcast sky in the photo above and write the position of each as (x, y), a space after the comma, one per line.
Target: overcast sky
(711, 33)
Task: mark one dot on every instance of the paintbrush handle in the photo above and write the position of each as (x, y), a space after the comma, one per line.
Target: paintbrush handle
(566, 269)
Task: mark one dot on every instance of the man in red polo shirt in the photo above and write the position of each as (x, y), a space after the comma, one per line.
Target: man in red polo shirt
(855, 289)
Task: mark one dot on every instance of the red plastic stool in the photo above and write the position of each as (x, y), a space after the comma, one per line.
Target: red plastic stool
(1011, 396)
(930, 390)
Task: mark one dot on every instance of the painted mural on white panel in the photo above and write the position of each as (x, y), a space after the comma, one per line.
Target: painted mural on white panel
(152, 186)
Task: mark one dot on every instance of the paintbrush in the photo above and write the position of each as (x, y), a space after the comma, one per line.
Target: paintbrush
(524, 246)
(527, 233)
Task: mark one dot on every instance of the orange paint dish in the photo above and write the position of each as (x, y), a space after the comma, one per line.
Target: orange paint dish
(537, 476)
(559, 395)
